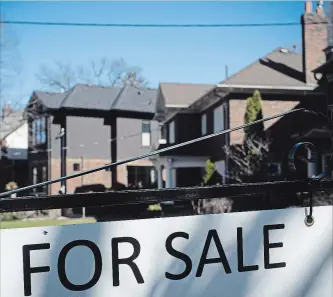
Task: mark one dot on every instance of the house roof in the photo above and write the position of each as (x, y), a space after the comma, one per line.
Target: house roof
(81, 96)
(11, 123)
(183, 95)
(279, 68)
(135, 99)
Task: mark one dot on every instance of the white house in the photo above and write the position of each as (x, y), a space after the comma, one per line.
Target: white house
(14, 134)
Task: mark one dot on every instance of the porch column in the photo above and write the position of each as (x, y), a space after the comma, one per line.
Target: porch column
(113, 151)
(169, 182)
(61, 119)
(160, 177)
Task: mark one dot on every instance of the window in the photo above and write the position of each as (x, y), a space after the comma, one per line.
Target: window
(34, 175)
(145, 133)
(203, 124)
(39, 131)
(162, 138)
(172, 132)
(140, 176)
(219, 118)
(274, 169)
(220, 168)
(76, 167)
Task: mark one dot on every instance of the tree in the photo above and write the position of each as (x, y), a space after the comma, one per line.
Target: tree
(105, 72)
(209, 171)
(10, 63)
(247, 159)
(253, 112)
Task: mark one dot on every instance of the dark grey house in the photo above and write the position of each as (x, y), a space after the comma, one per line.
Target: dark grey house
(87, 127)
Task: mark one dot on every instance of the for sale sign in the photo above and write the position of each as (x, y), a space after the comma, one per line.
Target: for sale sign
(265, 253)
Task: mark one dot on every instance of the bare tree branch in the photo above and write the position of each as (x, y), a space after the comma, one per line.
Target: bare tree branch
(244, 164)
(102, 72)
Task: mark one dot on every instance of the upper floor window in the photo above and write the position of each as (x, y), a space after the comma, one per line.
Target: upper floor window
(162, 136)
(219, 118)
(145, 133)
(39, 131)
(172, 132)
(203, 124)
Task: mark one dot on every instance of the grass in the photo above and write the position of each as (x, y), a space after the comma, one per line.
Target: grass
(40, 223)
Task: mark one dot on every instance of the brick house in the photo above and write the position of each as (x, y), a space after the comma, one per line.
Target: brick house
(94, 126)
(285, 81)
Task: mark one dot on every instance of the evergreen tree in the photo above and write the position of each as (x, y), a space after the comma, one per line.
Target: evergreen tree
(209, 171)
(253, 113)
(250, 116)
(253, 133)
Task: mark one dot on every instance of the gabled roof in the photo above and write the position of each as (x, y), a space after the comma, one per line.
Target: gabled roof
(11, 123)
(86, 97)
(135, 99)
(183, 95)
(279, 68)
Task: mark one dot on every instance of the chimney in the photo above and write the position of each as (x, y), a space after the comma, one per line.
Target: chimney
(314, 39)
(308, 6)
(6, 110)
(319, 9)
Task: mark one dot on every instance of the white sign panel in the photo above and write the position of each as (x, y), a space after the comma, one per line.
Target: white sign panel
(264, 253)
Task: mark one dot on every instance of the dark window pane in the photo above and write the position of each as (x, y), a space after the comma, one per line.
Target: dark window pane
(145, 127)
(76, 167)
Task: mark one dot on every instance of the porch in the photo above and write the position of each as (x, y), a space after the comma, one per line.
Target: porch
(168, 166)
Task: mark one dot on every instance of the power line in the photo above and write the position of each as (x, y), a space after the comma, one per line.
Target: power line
(67, 24)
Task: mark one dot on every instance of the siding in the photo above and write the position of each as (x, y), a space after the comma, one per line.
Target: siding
(131, 146)
(88, 137)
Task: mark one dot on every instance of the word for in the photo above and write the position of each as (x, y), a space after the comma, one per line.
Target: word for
(212, 237)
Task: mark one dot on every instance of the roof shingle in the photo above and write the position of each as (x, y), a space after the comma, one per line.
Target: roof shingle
(183, 95)
(280, 67)
(86, 97)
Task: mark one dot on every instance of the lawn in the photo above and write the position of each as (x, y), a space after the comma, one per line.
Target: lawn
(40, 223)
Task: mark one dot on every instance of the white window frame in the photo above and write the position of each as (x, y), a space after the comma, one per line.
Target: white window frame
(145, 136)
(219, 118)
(172, 138)
(203, 124)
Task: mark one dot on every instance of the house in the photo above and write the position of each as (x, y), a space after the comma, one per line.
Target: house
(175, 99)
(88, 127)
(285, 81)
(14, 147)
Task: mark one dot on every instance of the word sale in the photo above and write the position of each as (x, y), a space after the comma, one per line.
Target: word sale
(212, 241)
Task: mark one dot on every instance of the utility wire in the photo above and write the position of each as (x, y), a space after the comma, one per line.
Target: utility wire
(156, 152)
(67, 24)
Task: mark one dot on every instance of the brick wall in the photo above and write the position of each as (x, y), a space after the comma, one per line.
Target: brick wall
(237, 111)
(101, 177)
(314, 39)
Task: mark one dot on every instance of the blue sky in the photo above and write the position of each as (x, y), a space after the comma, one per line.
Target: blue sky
(194, 55)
